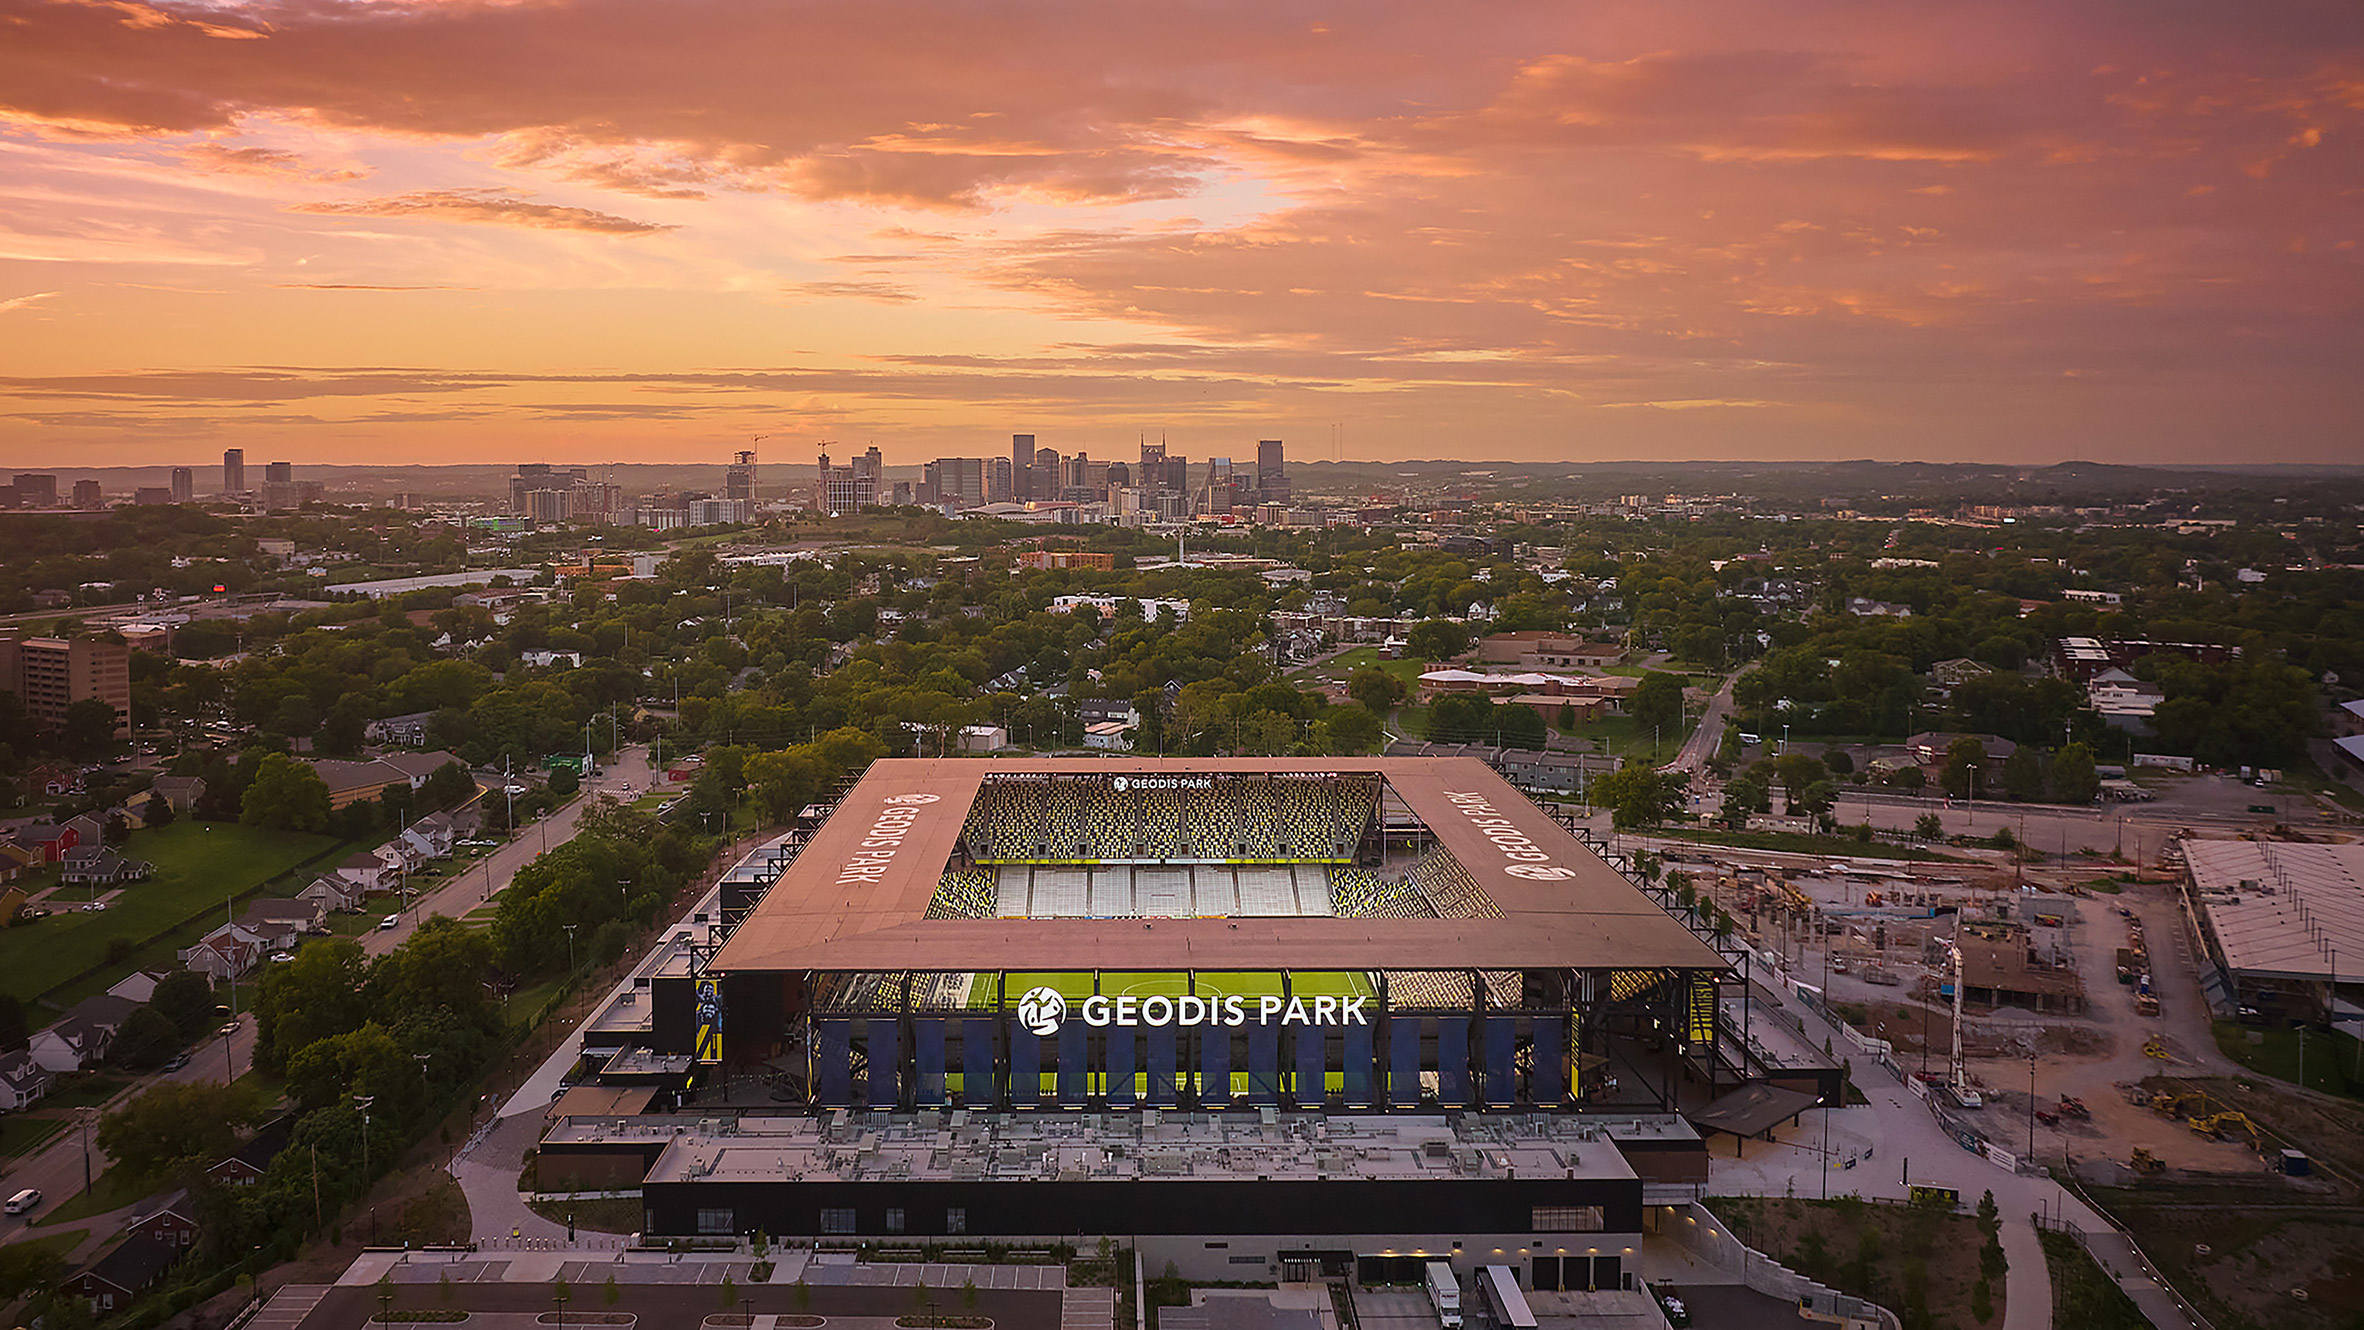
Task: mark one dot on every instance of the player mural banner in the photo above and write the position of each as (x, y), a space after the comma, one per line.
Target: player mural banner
(709, 1021)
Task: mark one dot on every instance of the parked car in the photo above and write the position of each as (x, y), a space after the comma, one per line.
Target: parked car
(390, 921)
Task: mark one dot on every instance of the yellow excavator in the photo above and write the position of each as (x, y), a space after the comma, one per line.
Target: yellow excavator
(2218, 1126)
(2146, 1162)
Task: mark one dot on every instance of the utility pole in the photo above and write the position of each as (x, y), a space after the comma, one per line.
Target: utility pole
(363, 1101)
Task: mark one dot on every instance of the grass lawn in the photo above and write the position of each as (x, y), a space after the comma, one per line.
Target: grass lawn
(21, 1135)
(84, 1090)
(1798, 843)
(2331, 1056)
(111, 1190)
(199, 868)
(1077, 986)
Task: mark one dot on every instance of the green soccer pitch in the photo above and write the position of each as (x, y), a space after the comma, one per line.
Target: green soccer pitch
(1077, 986)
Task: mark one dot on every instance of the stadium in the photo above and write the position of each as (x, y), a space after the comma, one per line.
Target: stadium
(1201, 934)
(1266, 1018)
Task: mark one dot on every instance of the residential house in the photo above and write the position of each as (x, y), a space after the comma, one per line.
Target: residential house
(50, 840)
(23, 1081)
(117, 1279)
(280, 921)
(408, 731)
(371, 872)
(1951, 674)
(82, 1036)
(227, 952)
(1093, 710)
(431, 837)
(250, 1161)
(138, 986)
(1863, 608)
(180, 792)
(1111, 735)
(88, 866)
(544, 659)
(15, 862)
(12, 899)
(173, 1227)
(2351, 718)
(332, 894)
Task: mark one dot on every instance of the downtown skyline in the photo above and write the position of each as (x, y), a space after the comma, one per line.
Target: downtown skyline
(447, 233)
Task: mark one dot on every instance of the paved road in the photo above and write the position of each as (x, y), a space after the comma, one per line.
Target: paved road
(56, 1169)
(486, 877)
(1701, 746)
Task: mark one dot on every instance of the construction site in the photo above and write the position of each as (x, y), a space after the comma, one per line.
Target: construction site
(2069, 1022)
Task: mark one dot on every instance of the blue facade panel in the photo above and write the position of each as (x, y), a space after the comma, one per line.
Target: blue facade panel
(1452, 1060)
(1502, 1037)
(927, 1055)
(885, 1061)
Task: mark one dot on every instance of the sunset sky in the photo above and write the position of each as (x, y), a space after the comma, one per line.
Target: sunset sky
(592, 230)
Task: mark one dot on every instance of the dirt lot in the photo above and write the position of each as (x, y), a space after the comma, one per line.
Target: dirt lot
(1910, 1261)
(2260, 1247)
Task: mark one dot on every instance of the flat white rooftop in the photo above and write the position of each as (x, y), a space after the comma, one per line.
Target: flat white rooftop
(2281, 909)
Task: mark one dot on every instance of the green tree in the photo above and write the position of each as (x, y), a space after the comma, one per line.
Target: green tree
(90, 726)
(157, 812)
(1742, 798)
(1351, 729)
(1963, 758)
(176, 1121)
(1658, 702)
(1640, 795)
(316, 996)
(1436, 639)
(1378, 691)
(1929, 826)
(447, 786)
(186, 999)
(2074, 781)
(2023, 774)
(25, 1268)
(285, 795)
(147, 1038)
(564, 781)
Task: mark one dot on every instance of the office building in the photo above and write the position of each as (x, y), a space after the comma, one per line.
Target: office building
(1272, 476)
(278, 473)
(997, 481)
(738, 482)
(233, 471)
(846, 489)
(184, 485)
(959, 481)
(34, 490)
(1021, 464)
(87, 496)
(49, 675)
(152, 496)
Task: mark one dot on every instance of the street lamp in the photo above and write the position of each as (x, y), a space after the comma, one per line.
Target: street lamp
(570, 946)
(2031, 1105)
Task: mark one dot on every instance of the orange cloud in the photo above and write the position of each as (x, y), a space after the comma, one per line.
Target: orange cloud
(506, 207)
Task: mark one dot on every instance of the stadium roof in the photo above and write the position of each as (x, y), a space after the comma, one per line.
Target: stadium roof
(855, 899)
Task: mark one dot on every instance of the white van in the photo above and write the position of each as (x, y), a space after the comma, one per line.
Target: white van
(24, 1201)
